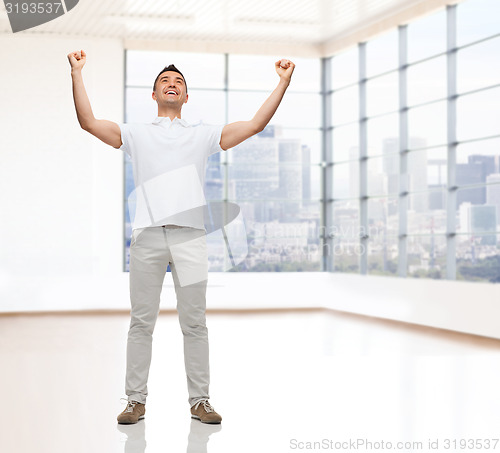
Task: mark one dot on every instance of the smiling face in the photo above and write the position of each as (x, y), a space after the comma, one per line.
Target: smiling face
(170, 90)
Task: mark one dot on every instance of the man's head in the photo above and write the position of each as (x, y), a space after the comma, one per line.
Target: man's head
(170, 87)
(171, 68)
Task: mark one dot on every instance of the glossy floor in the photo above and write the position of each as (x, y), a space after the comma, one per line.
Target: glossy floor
(283, 382)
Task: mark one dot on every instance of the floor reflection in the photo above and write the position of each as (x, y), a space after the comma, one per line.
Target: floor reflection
(276, 379)
(199, 435)
(136, 437)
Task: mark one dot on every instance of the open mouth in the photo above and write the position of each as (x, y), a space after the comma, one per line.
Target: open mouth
(171, 92)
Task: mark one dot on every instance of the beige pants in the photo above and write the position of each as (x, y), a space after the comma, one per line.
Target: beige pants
(152, 249)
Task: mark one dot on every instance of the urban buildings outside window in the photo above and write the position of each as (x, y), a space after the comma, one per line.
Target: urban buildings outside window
(383, 159)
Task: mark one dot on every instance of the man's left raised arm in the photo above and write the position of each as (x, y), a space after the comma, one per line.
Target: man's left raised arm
(235, 133)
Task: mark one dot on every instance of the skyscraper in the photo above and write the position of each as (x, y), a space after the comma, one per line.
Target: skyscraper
(390, 165)
(480, 221)
(416, 170)
(255, 169)
(353, 172)
(254, 175)
(290, 177)
(306, 173)
(484, 220)
(493, 193)
(488, 163)
(470, 173)
(475, 171)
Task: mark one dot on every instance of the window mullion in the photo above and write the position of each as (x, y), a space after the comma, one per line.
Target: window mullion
(451, 199)
(326, 241)
(403, 154)
(363, 164)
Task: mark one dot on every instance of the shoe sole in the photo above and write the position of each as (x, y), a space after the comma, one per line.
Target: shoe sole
(131, 423)
(208, 423)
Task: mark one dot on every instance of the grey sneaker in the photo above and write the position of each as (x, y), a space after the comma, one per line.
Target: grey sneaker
(132, 413)
(204, 412)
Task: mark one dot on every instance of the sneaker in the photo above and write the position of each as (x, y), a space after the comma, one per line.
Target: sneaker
(204, 412)
(132, 413)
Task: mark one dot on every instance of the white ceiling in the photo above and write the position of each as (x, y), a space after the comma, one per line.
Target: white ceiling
(301, 24)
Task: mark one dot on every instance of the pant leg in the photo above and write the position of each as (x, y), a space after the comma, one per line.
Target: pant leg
(190, 271)
(148, 264)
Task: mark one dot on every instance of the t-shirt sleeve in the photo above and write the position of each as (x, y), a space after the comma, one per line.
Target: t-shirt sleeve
(214, 135)
(125, 131)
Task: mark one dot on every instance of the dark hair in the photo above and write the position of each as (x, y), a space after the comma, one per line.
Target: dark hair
(169, 68)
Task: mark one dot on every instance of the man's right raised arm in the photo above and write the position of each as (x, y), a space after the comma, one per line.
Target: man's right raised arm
(107, 131)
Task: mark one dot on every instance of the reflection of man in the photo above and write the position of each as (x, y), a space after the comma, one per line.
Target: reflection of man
(169, 150)
(198, 437)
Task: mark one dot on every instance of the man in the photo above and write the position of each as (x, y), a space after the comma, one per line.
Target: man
(169, 160)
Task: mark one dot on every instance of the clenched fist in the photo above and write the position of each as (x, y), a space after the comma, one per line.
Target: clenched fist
(284, 68)
(77, 59)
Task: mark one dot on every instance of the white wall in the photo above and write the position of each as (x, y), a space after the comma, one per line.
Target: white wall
(467, 307)
(461, 306)
(61, 189)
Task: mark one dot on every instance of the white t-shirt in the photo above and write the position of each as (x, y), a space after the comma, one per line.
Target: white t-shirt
(169, 160)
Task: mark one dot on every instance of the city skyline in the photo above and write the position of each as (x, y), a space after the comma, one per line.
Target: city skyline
(269, 176)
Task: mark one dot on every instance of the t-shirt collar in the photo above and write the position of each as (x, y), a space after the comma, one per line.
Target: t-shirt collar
(162, 119)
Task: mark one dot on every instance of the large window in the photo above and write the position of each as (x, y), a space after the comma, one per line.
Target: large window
(383, 159)
(274, 177)
(413, 149)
